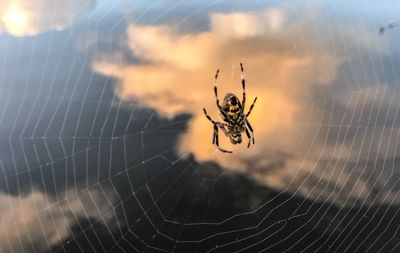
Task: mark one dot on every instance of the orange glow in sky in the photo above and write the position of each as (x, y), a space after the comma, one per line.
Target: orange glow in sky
(15, 20)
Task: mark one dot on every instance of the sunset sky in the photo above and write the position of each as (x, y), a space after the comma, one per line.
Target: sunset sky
(105, 146)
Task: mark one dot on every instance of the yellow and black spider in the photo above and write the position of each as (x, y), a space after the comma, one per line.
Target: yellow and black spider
(232, 112)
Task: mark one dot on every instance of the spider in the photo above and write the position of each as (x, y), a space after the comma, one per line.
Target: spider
(232, 113)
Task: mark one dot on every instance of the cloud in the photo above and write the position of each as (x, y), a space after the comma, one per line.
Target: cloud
(38, 220)
(241, 24)
(285, 62)
(26, 17)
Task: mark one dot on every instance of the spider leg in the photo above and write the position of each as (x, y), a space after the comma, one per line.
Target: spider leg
(216, 95)
(244, 92)
(251, 107)
(208, 117)
(218, 105)
(216, 143)
(248, 136)
(213, 138)
(251, 130)
(216, 76)
(215, 134)
(222, 127)
(219, 124)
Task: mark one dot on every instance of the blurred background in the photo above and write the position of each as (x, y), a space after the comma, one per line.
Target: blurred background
(104, 146)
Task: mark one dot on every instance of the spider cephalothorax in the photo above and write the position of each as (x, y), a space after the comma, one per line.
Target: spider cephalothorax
(232, 113)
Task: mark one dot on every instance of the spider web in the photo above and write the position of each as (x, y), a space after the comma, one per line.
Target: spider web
(108, 172)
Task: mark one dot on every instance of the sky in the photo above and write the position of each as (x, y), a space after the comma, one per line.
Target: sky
(105, 146)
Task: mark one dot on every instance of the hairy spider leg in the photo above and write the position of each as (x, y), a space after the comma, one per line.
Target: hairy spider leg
(208, 117)
(251, 130)
(216, 141)
(216, 95)
(244, 92)
(251, 107)
(248, 136)
(215, 133)
(219, 124)
(216, 76)
(213, 137)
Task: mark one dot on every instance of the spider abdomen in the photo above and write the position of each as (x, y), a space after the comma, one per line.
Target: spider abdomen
(232, 106)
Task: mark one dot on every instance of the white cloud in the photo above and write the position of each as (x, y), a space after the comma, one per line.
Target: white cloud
(241, 24)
